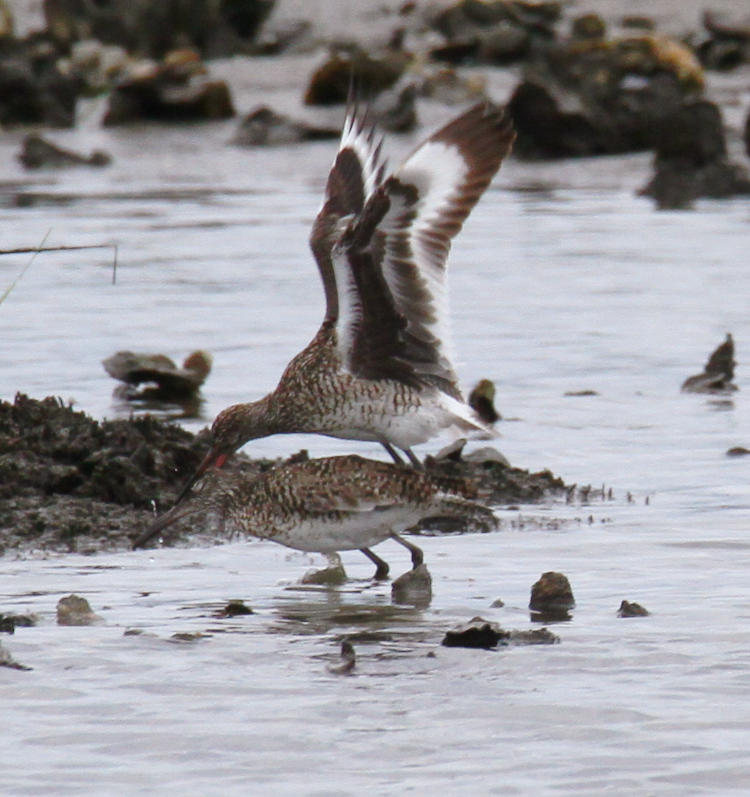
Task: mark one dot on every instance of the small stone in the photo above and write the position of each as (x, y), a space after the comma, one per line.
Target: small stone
(413, 587)
(498, 603)
(332, 576)
(738, 451)
(628, 609)
(551, 597)
(234, 609)
(6, 660)
(477, 633)
(535, 636)
(74, 610)
(348, 660)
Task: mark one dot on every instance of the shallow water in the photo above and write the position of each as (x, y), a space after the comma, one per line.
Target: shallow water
(563, 280)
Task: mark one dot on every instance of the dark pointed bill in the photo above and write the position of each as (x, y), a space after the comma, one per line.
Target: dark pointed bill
(212, 458)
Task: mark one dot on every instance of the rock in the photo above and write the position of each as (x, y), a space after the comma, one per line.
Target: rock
(332, 576)
(37, 153)
(498, 32)
(587, 97)
(395, 111)
(6, 660)
(486, 455)
(477, 633)
(413, 588)
(718, 372)
(6, 21)
(234, 609)
(551, 598)
(264, 127)
(74, 610)
(348, 660)
(747, 135)
(691, 159)
(482, 398)
(628, 609)
(152, 29)
(344, 71)
(9, 622)
(98, 66)
(173, 91)
(738, 451)
(727, 41)
(171, 382)
(448, 87)
(588, 26)
(535, 636)
(33, 90)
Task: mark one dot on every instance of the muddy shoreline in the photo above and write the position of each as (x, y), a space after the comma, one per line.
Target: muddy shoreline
(70, 483)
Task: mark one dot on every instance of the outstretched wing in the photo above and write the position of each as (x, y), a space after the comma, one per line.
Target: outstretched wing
(356, 173)
(394, 253)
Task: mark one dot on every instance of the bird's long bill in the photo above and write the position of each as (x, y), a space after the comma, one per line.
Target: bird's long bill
(213, 457)
(167, 519)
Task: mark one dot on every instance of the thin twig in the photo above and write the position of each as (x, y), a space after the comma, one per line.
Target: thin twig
(42, 248)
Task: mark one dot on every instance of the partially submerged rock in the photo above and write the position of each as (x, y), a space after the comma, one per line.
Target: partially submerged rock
(170, 381)
(6, 660)
(718, 373)
(331, 576)
(592, 97)
(75, 610)
(477, 633)
(413, 588)
(264, 127)
(33, 89)
(152, 29)
(691, 159)
(482, 399)
(480, 633)
(39, 153)
(628, 609)
(175, 90)
(551, 598)
(332, 82)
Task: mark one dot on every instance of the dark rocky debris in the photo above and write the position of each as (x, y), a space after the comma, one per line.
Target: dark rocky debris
(175, 90)
(628, 609)
(482, 400)
(264, 127)
(152, 29)
(691, 159)
(170, 382)
(39, 153)
(480, 633)
(71, 483)
(718, 372)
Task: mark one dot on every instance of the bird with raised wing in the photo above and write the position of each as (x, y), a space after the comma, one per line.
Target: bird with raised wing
(379, 368)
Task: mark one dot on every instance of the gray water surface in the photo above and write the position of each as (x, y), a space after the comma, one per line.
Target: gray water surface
(562, 280)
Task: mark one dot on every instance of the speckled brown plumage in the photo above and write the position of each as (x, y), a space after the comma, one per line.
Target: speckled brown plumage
(379, 368)
(329, 504)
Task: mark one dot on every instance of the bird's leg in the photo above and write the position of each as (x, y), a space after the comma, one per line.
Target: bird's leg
(417, 557)
(381, 573)
(413, 459)
(392, 451)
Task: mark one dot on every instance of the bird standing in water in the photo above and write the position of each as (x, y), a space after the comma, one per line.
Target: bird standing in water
(379, 368)
(328, 505)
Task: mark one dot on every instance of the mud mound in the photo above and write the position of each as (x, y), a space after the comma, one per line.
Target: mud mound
(71, 483)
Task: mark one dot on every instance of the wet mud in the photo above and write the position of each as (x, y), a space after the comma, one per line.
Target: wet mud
(70, 483)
